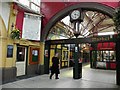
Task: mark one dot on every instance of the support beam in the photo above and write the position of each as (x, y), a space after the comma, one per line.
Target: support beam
(46, 58)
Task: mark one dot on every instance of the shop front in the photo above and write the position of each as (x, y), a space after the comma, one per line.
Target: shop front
(104, 57)
(63, 55)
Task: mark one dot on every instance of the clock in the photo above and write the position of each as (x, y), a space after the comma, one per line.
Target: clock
(75, 15)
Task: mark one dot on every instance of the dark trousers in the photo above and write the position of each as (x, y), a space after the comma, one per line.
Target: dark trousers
(56, 75)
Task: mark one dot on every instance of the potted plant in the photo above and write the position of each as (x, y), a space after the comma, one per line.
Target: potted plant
(15, 34)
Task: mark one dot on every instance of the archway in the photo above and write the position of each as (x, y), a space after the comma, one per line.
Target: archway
(83, 5)
(3, 31)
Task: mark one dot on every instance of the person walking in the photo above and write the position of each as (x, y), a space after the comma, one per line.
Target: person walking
(55, 67)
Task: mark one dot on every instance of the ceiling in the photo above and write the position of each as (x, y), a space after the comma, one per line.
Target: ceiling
(93, 23)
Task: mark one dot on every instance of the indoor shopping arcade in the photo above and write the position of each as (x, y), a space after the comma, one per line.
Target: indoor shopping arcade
(86, 36)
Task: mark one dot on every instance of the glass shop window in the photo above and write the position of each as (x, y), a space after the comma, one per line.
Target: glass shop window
(106, 56)
(20, 54)
(34, 55)
(99, 56)
(65, 55)
(112, 56)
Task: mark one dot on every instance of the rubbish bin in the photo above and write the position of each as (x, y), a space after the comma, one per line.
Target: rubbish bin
(78, 74)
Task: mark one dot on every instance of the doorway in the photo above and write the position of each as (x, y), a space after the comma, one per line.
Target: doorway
(21, 60)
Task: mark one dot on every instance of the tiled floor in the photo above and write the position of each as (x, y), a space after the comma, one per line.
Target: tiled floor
(91, 78)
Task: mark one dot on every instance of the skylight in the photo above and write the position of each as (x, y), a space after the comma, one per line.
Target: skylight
(106, 33)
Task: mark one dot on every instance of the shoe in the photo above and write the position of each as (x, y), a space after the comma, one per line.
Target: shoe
(50, 77)
(56, 78)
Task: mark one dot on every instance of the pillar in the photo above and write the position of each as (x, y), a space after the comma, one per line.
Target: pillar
(46, 58)
(118, 61)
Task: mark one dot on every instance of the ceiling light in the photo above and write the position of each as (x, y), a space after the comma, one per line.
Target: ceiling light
(106, 33)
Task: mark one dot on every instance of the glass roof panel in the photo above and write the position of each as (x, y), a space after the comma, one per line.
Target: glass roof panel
(93, 23)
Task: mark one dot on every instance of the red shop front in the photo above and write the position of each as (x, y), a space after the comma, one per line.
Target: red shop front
(104, 57)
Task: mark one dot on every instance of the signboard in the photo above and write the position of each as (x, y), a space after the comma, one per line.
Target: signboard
(76, 49)
(99, 38)
(10, 51)
(31, 27)
(83, 40)
(101, 64)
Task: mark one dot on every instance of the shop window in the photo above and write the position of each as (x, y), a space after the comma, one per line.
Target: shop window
(106, 56)
(112, 56)
(59, 55)
(65, 55)
(99, 55)
(20, 54)
(10, 51)
(34, 55)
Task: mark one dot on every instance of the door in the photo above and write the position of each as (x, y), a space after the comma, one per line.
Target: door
(21, 60)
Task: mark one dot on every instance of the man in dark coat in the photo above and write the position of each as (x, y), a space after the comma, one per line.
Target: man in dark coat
(55, 67)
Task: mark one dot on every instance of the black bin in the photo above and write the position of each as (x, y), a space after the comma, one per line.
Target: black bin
(79, 71)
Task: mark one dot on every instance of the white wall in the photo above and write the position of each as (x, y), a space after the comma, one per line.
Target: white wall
(5, 12)
(33, 6)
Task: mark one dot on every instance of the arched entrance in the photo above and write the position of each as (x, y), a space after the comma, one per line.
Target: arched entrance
(87, 6)
(83, 5)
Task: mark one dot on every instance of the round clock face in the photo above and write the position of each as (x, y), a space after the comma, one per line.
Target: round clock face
(75, 14)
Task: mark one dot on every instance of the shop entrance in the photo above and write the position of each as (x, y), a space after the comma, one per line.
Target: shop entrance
(104, 56)
(21, 60)
(88, 41)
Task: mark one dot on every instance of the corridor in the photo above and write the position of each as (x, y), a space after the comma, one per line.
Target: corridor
(91, 78)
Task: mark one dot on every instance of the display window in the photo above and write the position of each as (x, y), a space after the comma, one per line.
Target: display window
(106, 56)
(106, 59)
(34, 55)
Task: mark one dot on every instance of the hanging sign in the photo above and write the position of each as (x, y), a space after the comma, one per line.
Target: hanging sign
(76, 49)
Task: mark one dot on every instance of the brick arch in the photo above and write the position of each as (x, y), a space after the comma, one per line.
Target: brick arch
(3, 31)
(83, 5)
